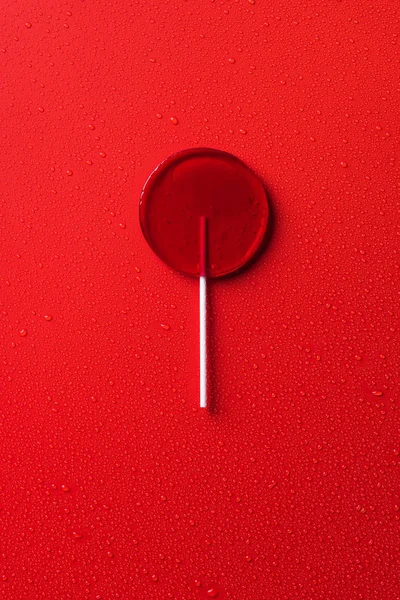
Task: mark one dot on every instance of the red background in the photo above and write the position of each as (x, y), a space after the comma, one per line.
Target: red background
(114, 484)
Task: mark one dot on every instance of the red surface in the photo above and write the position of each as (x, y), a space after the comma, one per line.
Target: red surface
(115, 485)
(204, 184)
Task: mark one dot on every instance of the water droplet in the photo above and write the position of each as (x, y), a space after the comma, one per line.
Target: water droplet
(69, 173)
(48, 317)
(232, 60)
(174, 120)
(28, 25)
(23, 332)
(343, 164)
(102, 154)
(77, 535)
(167, 327)
(212, 592)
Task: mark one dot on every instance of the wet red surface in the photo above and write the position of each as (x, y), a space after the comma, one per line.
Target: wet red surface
(115, 485)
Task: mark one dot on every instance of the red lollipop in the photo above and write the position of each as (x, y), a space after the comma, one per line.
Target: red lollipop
(205, 214)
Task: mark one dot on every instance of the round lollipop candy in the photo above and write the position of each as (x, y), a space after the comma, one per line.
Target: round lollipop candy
(204, 213)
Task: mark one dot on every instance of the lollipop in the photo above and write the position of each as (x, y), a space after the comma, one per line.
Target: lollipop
(204, 213)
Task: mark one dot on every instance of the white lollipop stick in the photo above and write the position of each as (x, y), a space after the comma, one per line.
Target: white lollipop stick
(203, 313)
